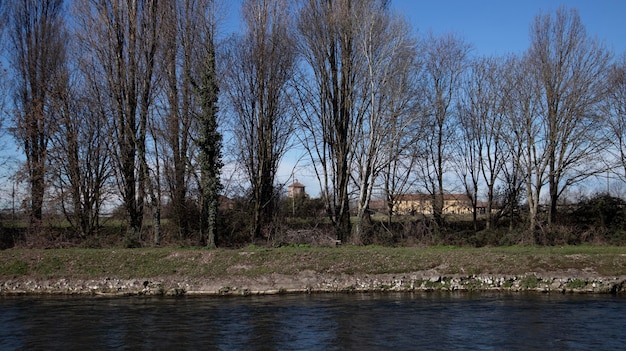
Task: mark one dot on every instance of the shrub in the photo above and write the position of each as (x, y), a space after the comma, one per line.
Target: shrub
(529, 282)
(604, 214)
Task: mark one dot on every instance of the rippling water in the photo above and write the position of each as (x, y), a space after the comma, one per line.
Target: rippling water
(316, 322)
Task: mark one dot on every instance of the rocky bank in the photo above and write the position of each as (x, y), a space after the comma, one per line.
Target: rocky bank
(313, 282)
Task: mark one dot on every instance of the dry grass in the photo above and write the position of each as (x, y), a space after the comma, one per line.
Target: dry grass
(254, 261)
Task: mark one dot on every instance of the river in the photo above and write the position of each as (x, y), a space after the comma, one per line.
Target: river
(403, 321)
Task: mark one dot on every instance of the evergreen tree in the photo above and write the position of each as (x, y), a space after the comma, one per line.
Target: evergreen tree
(210, 144)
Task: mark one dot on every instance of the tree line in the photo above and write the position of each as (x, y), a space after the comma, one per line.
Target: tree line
(144, 102)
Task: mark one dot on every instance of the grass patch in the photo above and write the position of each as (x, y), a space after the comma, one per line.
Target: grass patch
(253, 261)
(529, 282)
(15, 268)
(576, 284)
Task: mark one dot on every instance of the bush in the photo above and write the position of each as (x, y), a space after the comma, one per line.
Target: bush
(604, 215)
(9, 236)
(302, 207)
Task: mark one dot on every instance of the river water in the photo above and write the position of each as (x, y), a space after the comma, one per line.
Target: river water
(431, 321)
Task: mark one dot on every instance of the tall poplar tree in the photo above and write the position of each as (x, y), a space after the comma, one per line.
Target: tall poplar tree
(328, 32)
(37, 54)
(122, 39)
(263, 65)
(445, 62)
(571, 70)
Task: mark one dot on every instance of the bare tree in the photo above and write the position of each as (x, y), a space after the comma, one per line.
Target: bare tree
(325, 38)
(445, 63)
(3, 82)
(469, 144)
(79, 158)
(37, 52)
(571, 68)
(121, 38)
(404, 130)
(525, 134)
(330, 105)
(385, 101)
(262, 65)
(187, 27)
(615, 109)
(185, 133)
(512, 101)
(80, 163)
(481, 148)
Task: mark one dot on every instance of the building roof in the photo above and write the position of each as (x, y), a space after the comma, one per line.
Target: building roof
(296, 184)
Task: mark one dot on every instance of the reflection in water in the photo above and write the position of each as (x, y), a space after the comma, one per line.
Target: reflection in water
(316, 322)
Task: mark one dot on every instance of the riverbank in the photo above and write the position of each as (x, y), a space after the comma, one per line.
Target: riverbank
(261, 270)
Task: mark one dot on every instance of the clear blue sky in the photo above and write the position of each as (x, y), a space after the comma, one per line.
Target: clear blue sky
(496, 27)
(492, 27)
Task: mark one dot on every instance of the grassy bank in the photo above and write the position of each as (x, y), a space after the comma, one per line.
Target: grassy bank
(253, 261)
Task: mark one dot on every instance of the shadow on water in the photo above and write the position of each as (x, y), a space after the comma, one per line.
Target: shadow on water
(316, 322)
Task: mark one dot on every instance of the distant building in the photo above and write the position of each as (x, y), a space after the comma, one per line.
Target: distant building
(422, 204)
(296, 189)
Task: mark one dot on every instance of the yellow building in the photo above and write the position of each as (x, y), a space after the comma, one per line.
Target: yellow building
(410, 204)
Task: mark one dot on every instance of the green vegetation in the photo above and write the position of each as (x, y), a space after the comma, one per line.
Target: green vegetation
(254, 261)
(576, 284)
(529, 282)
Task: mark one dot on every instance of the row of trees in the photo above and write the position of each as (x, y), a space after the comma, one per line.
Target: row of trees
(118, 98)
(115, 97)
(387, 111)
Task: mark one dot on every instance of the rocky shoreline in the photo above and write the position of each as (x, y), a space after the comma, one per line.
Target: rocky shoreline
(313, 282)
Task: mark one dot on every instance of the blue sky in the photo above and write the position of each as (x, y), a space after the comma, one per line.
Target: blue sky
(492, 27)
(496, 27)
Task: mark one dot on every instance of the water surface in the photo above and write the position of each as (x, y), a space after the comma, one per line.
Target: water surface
(316, 322)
